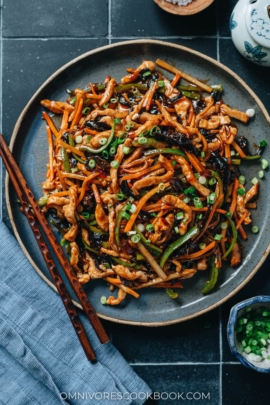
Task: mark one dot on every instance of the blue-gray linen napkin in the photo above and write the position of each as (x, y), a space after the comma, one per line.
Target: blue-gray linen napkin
(41, 360)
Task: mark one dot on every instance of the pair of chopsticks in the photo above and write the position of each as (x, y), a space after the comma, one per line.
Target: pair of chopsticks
(36, 218)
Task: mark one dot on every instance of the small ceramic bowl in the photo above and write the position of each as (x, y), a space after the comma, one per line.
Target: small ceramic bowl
(192, 8)
(236, 312)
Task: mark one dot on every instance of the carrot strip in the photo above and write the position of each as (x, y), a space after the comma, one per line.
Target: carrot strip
(209, 219)
(168, 284)
(195, 162)
(50, 143)
(84, 185)
(62, 181)
(175, 80)
(64, 123)
(239, 223)
(90, 131)
(234, 196)
(198, 254)
(46, 117)
(149, 96)
(96, 194)
(71, 148)
(123, 287)
(227, 151)
(238, 150)
(115, 281)
(78, 112)
(141, 203)
(94, 96)
(140, 173)
(73, 176)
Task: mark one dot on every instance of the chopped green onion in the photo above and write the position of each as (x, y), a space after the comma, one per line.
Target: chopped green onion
(236, 161)
(148, 73)
(173, 162)
(254, 180)
(92, 163)
(135, 238)
(112, 150)
(240, 191)
(42, 200)
(74, 169)
(189, 190)
(202, 180)
(176, 229)
(105, 154)
(212, 181)
(149, 227)
(186, 200)
(105, 106)
(223, 225)
(86, 110)
(161, 187)
(114, 164)
(202, 246)
(153, 214)
(199, 216)
(262, 143)
(211, 198)
(202, 154)
(86, 215)
(197, 202)
(261, 174)
(155, 128)
(142, 140)
(128, 206)
(122, 137)
(119, 197)
(196, 175)
(141, 227)
(172, 294)
(78, 139)
(126, 150)
(103, 141)
(242, 180)
(161, 83)
(133, 208)
(117, 120)
(264, 164)
(179, 215)
(103, 300)
(113, 100)
(255, 229)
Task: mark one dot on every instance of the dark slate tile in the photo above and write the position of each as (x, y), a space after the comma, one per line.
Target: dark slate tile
(259, 285)
(207, 47)
(54, 18)
(143, 18)
(192, 341)
(257, 77)
(243, 386)
(27, 64)
(194, 384)
(224, 11)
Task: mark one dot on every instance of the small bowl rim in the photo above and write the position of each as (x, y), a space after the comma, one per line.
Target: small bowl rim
(193, 8)
(230, 329)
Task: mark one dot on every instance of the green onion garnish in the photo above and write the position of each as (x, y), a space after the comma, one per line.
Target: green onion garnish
(113, 100)
(242, 180)
(264, 164)
(161, 187)
(126, 150)
(148, 73)
(105, 154)
(105, 106)
(119, 197)
(254, 180)
(149, 227)
(161, 83)
(92, 163)
(240, 191)
(202, 154)
(103, 300)
(202, 246)
(212, 181)
(114, 164)
(211, 198)
(154, 129)
(112, 150)
(255, 229)
(173, 162)
(142, 140)
(126, 216)
(186, 200)
(103, 141)
(86, 215)
(135, 238)
(172, 294)
(217, 236)
(223, 225)
(197, 202)
(179, 215)
(86, 110)
(117, 120)
(261, 174)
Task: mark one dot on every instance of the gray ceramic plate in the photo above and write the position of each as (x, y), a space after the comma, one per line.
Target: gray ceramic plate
(29, 146)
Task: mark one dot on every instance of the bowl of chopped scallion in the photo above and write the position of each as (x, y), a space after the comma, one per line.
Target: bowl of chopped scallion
(248, 333)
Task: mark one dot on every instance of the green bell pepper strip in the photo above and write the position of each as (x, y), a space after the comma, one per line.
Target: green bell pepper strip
(156, 251)
(158, 151)
(151, 143)
(179, 242)
(126, 87)
(191, 95)
(72, 143)
(96, 230)
(220, 182)
(251, 157)
(234, 238)
(209, 285)
(134, 265)
(90, 249)
(65, 160)
(92, 150)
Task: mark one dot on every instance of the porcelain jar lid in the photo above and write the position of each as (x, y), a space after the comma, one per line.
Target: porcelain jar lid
(258, 21)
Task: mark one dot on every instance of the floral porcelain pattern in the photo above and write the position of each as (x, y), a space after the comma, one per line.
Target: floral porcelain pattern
(260, 26)
(233, 23)
(255, 53)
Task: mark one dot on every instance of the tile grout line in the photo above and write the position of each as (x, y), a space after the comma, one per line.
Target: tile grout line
(109, 21)
(183, 363)
(109, 37)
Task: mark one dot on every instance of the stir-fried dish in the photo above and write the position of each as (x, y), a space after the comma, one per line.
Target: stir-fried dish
(144, 180)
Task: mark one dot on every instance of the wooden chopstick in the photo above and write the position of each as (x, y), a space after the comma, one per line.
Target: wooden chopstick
(40, 218)
(67, 301)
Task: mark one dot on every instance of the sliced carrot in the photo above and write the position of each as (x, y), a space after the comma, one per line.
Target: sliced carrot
(234, 196)
(141, 173)
(78, 111)
(238, 150)
(140, 204)
(198, 254)
(84, 186)
(48, 119)
(175, 80)
(195, 162)
(71, 148)
(239, 223)
(64, 123)
(96, 194)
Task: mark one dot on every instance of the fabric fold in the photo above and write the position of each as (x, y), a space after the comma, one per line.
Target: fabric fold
(36, 335)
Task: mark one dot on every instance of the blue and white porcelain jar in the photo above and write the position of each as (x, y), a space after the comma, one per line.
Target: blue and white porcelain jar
(250, 30)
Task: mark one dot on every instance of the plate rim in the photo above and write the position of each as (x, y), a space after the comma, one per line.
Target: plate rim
(15, 133)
